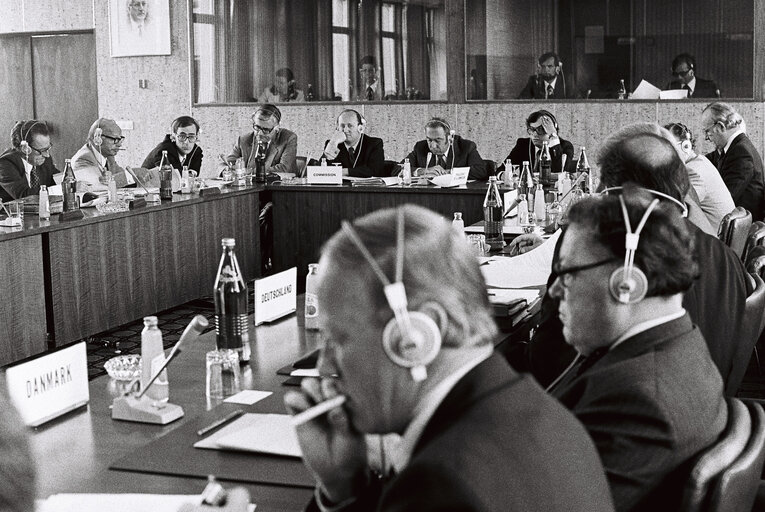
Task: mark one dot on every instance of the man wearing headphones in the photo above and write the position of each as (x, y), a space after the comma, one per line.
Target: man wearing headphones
(28, 164)
(442, 150)
(409, 347)
(281, 151)
(541, 126)
(94, 161)
(643, 384)
(359, 154)
(181, 146)
(714, 197)
(684, 71)
(549, 83)
(737, 159)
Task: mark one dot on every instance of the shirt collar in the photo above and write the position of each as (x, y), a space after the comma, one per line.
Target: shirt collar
(648, 324)
(134, 25)
(732, 138)
(552, 82)
(401, 452)
(355, 146)
(101, 159)
(27, 167)
(692, 84)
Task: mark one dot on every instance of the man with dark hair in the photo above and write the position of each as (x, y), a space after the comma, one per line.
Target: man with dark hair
(181, 146)
(281, 144)
(473, 434)
(443, 150)
(27, 164)
(684, 71)
(644, 384)
(370, 88)
(541, 126)
(738, 161)
(359, 154)
(283, 89)
(549, 83)
(650, 161)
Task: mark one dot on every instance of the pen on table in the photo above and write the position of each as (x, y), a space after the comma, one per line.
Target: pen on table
(317, 410)
(220, 421)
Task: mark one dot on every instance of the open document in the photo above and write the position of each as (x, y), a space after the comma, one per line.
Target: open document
(523, 271)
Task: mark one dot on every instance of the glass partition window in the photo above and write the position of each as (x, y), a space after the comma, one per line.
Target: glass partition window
(556, 49)
(283, 51)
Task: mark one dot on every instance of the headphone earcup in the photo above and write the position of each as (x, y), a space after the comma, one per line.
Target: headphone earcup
(24, 147)
(628, 291)
(97, 140)
(422, 347)
(686, 145)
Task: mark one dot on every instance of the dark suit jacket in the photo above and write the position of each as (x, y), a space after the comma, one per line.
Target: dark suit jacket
(524, 150)
(535, 88)
(193, 159)
(462, 153)
(370, 161)
(722, 280)
(497, 442)
(280, 155)
(650, 404)
(704, 88)
(13, 177)
(741, 170)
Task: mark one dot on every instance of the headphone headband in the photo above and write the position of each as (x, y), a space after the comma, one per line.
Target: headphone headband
(683, 207)
(440, 122)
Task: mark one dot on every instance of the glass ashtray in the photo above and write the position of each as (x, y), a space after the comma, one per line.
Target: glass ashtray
(127, 367)
(113, 207)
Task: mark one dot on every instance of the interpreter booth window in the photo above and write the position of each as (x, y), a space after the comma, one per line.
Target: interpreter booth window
(609, 49)
(294, 51)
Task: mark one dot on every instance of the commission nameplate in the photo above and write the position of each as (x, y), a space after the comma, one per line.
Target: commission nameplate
(275, 296)
(324, 175)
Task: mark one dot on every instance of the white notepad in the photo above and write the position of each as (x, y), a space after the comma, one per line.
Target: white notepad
(259, 433)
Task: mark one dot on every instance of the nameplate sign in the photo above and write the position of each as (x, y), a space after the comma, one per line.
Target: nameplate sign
(324, 175)
(456, 178)
(275, 296)
(50, 385)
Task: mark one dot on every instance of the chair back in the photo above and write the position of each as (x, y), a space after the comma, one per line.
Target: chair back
(736, 487)
(734, 230)
(756, 238)
(716, 458)
(755, 260)
(754, 312)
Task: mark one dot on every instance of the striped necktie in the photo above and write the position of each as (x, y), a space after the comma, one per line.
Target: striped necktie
(34, 178)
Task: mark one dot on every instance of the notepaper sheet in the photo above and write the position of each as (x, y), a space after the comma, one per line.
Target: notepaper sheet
(523, 271)
(260, 433)
(117, 502)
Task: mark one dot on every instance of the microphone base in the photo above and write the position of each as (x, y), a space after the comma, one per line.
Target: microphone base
(145, 410)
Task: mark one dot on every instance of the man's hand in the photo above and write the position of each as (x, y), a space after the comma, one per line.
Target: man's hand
(148, 177)
(332, 449)
(549, 126)
(237, 500)
(523, 244)
(430, 172)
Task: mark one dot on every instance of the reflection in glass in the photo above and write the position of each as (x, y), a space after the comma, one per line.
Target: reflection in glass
(598, 43)
(327, 50)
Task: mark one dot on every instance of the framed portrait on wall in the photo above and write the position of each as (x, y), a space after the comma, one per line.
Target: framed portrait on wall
(139, 27)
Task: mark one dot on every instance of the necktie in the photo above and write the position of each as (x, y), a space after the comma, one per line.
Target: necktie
(720, 159)
(352, 154)
(688, 88)
(34, 178)
(441, 161)
(370, 94)
(549, 91)
(581, 366)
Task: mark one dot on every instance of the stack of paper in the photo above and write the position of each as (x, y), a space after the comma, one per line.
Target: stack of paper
(260, 433)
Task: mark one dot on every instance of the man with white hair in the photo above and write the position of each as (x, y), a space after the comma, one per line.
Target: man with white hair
(738, 161)
(408, 347)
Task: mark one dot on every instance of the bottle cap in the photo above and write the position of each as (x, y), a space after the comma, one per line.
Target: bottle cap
(457, 215)
(313, 268)
(149, 320)
(228, 242)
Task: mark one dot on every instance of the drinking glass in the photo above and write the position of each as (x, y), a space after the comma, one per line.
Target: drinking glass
(224, 377)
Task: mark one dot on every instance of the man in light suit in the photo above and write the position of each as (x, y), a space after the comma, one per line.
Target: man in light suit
(684, 71)
(463, 430)
(738, 161)
(281, 143)
(442, 150)
(94, 162)
(644, 384)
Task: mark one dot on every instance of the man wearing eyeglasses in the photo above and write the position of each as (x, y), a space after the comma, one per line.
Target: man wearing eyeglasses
(28, 164)
(281, 144)
(643, 384)
(737, 159)
(181, 146)
(684, 73)
(541, 126)
(94, 162)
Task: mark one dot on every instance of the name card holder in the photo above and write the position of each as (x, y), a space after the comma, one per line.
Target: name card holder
(136, 203)
(73, 215)
(209, 191)
(49, 385)
(324, 175)
(275, 296)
